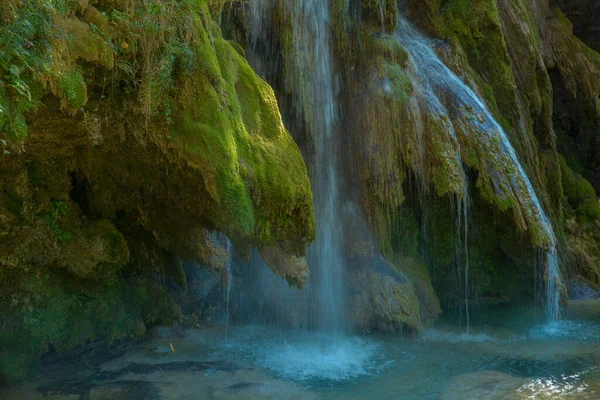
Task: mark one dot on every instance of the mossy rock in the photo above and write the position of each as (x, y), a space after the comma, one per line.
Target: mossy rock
(56, 310)
(588, 211)
(140, 117)
(238, 140)
(575, 187)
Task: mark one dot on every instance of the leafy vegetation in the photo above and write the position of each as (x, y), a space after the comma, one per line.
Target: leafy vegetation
(58, 210)
(25, 52)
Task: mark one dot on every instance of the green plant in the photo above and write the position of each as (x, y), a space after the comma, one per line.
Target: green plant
(58, 209)
(24, 51)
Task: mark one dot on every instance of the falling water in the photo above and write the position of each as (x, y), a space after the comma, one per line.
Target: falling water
(382, 14)
(314, 94)
(436, 77)
(462, 251)
(312, 26)
(229, 283)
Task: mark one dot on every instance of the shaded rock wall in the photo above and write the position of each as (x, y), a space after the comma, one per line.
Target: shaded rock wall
(129, 130)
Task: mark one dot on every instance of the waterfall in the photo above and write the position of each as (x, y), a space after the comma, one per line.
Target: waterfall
(326, 255)
(431, 76)
(314, 94)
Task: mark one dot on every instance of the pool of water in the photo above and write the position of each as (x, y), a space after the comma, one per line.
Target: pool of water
(510, 360)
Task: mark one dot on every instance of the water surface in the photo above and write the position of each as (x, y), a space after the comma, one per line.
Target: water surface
(504, 356)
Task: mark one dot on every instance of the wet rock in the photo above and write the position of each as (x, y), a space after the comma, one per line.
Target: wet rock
(182, 366)
(168, 332)
(381, 298)
(124, 390)
(105, 384)
(293, 268)
(204, 299)
(203, 302)
(262, 390)
(66, 388)
(483, 385)
(582, 291)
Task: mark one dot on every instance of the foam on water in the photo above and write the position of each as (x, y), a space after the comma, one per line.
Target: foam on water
(566, 330)
(329, 359)
(307, 357)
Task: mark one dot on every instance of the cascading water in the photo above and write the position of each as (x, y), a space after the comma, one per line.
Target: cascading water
(315, 95)
(325, 257)
(432, 76)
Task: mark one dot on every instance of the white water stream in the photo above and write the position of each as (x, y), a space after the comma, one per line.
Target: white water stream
(433, 78)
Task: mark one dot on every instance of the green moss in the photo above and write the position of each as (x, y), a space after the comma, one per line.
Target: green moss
(25, 48)
(385, 12)
(401, 86)
(588, 211)
(17, 365)
(392, 50)
(15, 204)
(58, 209)
(192, 104)
(72, 88)
(34, 173)
(238, 138)
(476, 26)
(575, 187)
(48, 309)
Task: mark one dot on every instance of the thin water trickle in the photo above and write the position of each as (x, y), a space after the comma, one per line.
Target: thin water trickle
(382, 14)
(229, 283)
(433, 76)
(462, 250)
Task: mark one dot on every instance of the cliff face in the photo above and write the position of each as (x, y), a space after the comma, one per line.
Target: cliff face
(584, 16)
(129, 131)
(415, 148)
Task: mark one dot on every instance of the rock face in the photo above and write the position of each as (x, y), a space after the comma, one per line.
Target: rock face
(584, 15)
(381, 298)
(391, 297)
(536, 77)
(128, 131)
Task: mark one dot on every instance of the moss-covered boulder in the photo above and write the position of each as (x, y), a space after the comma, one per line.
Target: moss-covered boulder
(129, 130)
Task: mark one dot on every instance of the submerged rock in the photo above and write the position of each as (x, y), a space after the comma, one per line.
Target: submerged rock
(269, 389)
(124, 390)
(484, 385)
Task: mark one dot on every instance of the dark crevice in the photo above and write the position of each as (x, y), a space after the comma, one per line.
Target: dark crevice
(80, 193)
